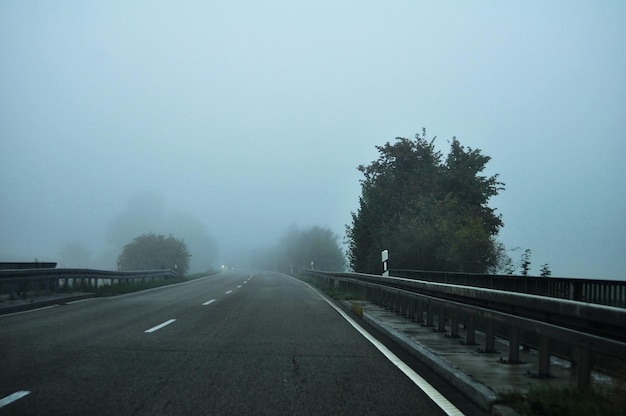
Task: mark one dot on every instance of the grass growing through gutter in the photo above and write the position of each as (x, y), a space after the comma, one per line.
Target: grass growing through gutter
(551, 401)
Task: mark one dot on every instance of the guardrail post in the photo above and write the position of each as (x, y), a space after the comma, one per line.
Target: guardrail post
(372, 294)
(584, 365)
(407, 307)
(454, 325)
(419, 317)
(490, 336)
(429, 315)
(514, 345)
(470, 329)
(411, 308)
(441, 320)
(544, 357)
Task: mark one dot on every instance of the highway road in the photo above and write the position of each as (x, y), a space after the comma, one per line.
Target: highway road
(237, 343)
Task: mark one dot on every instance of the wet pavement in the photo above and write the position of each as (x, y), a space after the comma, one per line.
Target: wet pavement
(480, 376)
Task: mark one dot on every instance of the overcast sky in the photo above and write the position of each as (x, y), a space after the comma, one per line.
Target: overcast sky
(229, 121)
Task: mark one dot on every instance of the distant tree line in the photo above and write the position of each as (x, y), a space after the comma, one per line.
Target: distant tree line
(506, 265)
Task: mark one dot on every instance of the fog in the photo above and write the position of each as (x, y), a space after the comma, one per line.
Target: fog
(223, 123)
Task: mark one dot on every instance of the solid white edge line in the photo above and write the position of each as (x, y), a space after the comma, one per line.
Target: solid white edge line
(156, 328)
(13, 397)
(431, 392)
(208, 302)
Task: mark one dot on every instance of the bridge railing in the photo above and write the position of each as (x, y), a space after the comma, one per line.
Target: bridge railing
(26, 283)
(573, 330)
(603, 292)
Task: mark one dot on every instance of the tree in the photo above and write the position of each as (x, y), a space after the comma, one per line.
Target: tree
(153, 252)
(146, 212)
(545, 270)
(504, 264)
(525, 262)
(429, 213)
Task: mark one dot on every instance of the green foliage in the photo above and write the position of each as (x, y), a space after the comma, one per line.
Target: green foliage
(154, 252)
(429, 214)
(551, 401)
(525, 262)
(504, 264)
(545, 270)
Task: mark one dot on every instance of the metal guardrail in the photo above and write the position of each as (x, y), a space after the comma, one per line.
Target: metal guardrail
(578, 330)
(603, 292)
(12, 265)
(38, 282)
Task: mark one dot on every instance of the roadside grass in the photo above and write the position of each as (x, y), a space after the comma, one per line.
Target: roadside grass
(131, 287)
(551, 401)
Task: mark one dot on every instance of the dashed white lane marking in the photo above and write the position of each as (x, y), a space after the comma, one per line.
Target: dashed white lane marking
(229, 292)
(156, 328)
(238, 287)
(13, 397)
(245, 281)
(208, 302)
(435, 396)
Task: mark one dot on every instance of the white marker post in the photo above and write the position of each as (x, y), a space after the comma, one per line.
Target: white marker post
(385, 257)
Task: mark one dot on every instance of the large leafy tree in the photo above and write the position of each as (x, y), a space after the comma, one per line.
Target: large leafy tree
(430, 213)
(154, 252)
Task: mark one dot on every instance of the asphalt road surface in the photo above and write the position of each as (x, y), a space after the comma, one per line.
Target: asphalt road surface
(237, 343)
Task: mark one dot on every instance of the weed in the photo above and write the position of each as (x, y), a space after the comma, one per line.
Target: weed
(552, 401)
